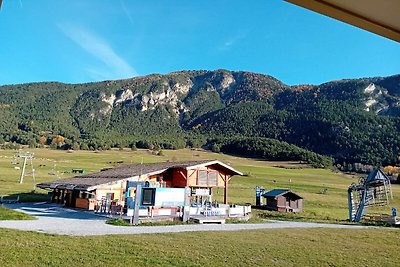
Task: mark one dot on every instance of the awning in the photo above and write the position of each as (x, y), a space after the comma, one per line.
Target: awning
(380, 17)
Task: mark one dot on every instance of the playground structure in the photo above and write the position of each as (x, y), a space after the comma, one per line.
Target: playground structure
(374, 190)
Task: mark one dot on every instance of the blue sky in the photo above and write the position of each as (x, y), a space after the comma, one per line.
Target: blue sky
(94, 40)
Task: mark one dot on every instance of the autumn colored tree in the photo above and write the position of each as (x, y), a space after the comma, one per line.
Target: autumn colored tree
(43, 140)
(58, 140)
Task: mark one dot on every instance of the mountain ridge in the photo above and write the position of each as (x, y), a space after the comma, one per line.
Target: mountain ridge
(335, 118)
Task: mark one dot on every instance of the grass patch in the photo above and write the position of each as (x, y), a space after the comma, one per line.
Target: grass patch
(165, 223)
(122, 222)
(31, 197)
(252, 219)
(8, 214)
(278, 247)
(118, 222)
(305, 216)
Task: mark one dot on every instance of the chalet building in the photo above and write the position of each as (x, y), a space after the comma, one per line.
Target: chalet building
(116, 184)
(283, 200)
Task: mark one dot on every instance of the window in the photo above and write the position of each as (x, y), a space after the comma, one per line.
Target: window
(212, 178)
(207, 178)
(202, 178)
(148, 196)
(110, 196)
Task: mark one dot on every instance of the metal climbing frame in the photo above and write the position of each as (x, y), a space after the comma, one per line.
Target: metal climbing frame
(374, 190)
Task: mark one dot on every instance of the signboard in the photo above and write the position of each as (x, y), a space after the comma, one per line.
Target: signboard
(169, 197)
(202, 192)
(130, 203)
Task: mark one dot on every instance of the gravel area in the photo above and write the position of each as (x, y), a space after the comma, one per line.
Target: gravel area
(54, 219)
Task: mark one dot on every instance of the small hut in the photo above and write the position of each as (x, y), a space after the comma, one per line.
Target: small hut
(283, 200)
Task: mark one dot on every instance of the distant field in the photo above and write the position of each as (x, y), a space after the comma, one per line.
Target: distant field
(290, 247)
(309, 183)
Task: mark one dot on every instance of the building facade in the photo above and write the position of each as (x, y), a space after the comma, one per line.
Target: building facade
(113, 186)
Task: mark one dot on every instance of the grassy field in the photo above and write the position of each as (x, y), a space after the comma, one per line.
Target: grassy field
(294, 247)
(309, 183)
(283, 247)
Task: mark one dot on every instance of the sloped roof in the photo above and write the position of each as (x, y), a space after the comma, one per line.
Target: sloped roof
(279, 192)
(377, 177)
(125, 172)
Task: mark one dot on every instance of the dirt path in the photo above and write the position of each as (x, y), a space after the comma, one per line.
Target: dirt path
(54, 219)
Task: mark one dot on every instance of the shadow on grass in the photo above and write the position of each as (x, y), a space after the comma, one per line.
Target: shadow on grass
(28, 197)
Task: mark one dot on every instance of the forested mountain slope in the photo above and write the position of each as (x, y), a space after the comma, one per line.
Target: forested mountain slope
(349, 120)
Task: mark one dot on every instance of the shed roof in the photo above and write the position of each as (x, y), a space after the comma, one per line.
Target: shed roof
(377, 177)
(279, 192)
(125, 172)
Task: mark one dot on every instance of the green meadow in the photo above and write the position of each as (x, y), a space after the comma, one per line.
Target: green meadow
(307, 182)
(275, 247)
(279, 247)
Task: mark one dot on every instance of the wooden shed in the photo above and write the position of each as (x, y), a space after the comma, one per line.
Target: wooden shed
(283, 200)
(113, 184)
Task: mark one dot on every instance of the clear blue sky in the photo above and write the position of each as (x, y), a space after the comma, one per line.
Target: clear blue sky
(81, 41)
